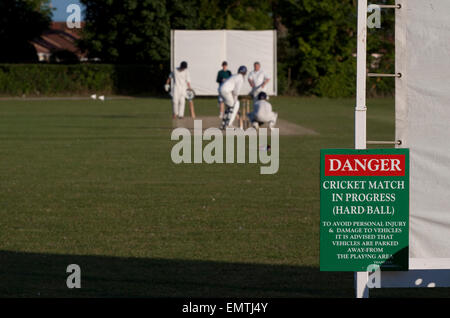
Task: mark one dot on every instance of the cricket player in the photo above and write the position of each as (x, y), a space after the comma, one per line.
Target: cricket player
(229, 91)
(181, 82)
(258, 80)
(262, 112)
(222, 76)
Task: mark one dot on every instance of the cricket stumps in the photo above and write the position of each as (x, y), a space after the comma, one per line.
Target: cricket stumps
(244, 121)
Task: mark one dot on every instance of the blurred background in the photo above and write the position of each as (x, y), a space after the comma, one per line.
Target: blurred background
(123, 47)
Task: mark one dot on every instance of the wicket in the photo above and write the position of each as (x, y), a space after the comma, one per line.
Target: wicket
(244, 121)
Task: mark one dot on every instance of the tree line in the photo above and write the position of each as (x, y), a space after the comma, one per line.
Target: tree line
(316, 39)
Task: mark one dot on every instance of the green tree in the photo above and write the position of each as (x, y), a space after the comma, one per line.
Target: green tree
(183, 15)
(321, 40)
(220, 14)
(248, 15)
(194, 14)
(20, 22)
(127, 31)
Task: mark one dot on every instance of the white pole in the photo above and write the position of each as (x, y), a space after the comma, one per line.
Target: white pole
(361, 281)
(172, 50)
(361, 278)
(361, 76)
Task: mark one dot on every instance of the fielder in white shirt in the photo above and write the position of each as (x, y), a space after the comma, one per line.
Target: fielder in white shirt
(262, 112)
(229, 91)
(181, 82)
(258, 80)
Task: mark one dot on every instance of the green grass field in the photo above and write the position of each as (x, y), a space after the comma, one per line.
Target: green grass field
(93, 184)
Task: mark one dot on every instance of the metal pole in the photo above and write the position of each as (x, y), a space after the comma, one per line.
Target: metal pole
(375, 142)
(384, 75)
(275, 81)
(389, 6)
(172, 50)
(361, 278)
(361, 77)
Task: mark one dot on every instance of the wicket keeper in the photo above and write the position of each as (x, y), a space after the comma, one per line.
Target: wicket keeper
(262, 112)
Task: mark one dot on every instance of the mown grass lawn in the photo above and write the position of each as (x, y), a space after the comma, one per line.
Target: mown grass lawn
(93, 184)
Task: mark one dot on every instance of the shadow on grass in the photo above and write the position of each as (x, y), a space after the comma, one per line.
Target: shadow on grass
(44, 275)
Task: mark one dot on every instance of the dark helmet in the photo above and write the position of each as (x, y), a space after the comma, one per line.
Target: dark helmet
(242, 70)
(262, 96)
(183, 65)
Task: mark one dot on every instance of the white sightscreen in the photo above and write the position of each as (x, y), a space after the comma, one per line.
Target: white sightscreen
(423, 119)
(205, 50)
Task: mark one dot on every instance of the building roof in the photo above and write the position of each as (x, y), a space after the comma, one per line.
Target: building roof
(59, 38)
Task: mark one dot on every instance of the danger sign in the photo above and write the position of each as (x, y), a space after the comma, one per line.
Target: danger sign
(364, 209)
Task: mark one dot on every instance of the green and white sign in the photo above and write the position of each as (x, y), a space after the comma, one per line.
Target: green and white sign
(364, 209)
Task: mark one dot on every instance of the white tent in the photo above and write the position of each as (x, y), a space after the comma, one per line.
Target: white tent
(205, 50)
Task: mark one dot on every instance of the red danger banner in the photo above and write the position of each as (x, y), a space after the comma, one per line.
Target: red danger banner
(365, 165)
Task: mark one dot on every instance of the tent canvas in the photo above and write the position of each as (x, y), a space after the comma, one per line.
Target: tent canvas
(422, 120)
(422, 40)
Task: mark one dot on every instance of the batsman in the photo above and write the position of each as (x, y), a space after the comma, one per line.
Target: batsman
(229, 91)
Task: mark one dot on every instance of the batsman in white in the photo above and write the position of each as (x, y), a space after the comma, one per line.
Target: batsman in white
(258, 80)
(181, 82)
(262, 112)
(229, 91)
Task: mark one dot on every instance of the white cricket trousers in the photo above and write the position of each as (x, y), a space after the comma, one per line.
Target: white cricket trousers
(231, 108)
(178, 102)
(267, 117)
